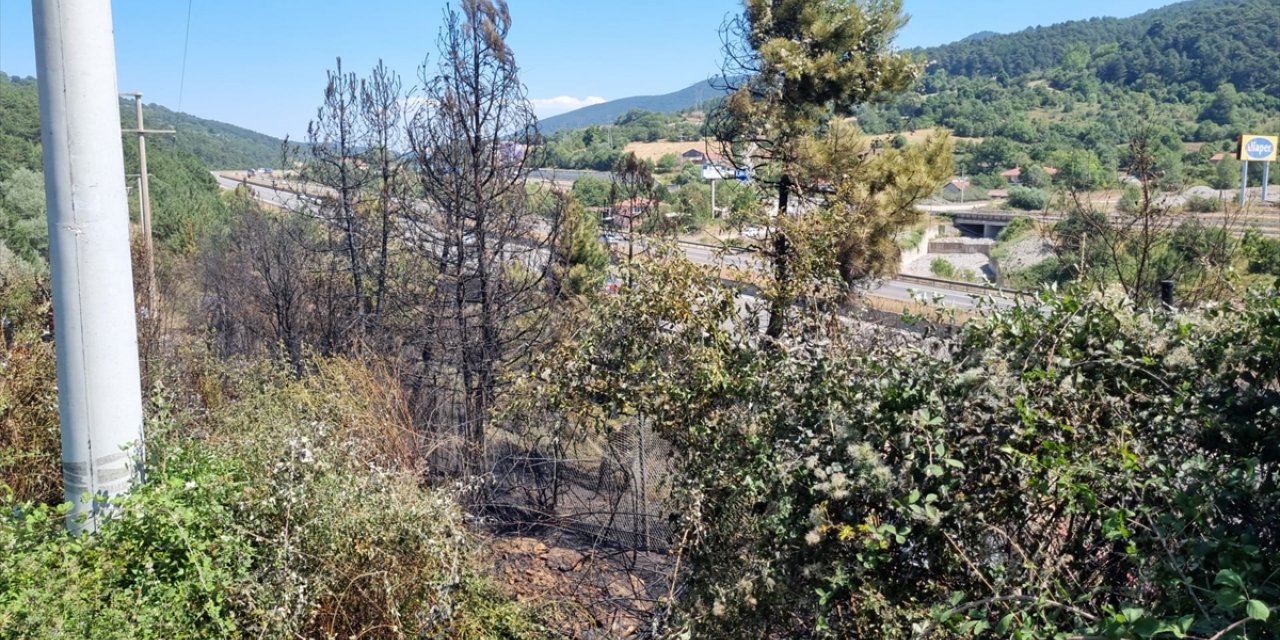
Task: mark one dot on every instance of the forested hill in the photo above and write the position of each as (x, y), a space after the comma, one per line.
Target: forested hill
(185, 197)
(218, 145)
(1202, 42)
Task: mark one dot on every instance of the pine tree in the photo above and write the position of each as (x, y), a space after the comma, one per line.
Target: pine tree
(797, 66)
(582, 261)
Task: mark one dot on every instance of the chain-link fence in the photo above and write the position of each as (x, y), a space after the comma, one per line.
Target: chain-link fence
(606, 490)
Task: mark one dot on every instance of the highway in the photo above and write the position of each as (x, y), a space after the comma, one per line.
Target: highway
(892, 289)
(267, 195)
(567, 175)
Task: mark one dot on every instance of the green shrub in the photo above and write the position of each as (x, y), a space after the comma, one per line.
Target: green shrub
(1028, 199)
(1067, 467)
(910, 239)
(296, 510)
(1262, 253)
(1015, 229)
(1130, 199)
(1201, 204)
(942, 268)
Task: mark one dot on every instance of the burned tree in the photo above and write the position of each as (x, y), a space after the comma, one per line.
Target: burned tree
(381, 110)
(476, 228)
(357, 192)
(259, 284)
(632, 197)
(334, 137)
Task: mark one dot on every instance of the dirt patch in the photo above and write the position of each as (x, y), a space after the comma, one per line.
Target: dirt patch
(592, 593)
(1025, 253)
(972, 262)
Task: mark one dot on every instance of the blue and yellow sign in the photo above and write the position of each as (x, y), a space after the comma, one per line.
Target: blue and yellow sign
(1257, 148)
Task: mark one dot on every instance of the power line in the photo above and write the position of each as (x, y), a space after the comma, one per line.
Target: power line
(182, 83)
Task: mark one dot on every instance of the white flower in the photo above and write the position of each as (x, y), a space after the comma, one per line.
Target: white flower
(1179, 358)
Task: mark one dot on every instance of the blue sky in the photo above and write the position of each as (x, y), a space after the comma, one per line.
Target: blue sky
(261, 63)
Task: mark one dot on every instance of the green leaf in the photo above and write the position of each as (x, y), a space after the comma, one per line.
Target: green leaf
(1229, 578)
(1132, 614)
(1147, 627)
(1228, 598)
(1180, 628)
(1257, 611)
(1005, 622)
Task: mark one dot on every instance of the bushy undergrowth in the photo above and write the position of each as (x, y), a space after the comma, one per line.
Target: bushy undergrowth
(1028, 199)
(943, 268)
(1070, 467)
(291, 509)
(1017, 228)
(30, 462)
(30, 451)
(1202, 204)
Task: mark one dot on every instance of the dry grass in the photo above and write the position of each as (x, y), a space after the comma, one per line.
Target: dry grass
(917, 136)
(914, 308)
(30, 442)
(655, 150)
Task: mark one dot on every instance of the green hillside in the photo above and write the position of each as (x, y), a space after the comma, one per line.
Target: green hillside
(1202, 43)
(185, 197)
(1191, 77)
(217, 144)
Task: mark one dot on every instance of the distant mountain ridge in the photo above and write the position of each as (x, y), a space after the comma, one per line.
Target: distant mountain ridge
(1204, 42)
(607, 112)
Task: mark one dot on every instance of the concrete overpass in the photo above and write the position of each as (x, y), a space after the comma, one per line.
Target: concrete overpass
(988, 224)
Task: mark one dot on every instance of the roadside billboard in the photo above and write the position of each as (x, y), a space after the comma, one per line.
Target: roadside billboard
(1255, 148)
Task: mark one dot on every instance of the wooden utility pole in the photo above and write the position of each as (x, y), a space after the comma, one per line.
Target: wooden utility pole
(144, 205)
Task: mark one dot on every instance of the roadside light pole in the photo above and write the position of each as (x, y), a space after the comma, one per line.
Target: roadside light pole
(99, 388)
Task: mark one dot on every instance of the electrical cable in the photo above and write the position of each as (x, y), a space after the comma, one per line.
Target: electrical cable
(182, 83)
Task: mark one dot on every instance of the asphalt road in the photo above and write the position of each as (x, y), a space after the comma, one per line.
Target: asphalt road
(274, 197)
(897, 290)
(567, 175)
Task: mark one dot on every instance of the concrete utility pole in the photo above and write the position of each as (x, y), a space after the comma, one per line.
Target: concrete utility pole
(144, 204)
(99, 388)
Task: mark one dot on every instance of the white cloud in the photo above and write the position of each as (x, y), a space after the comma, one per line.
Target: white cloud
(414, 103)
(547, 107)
